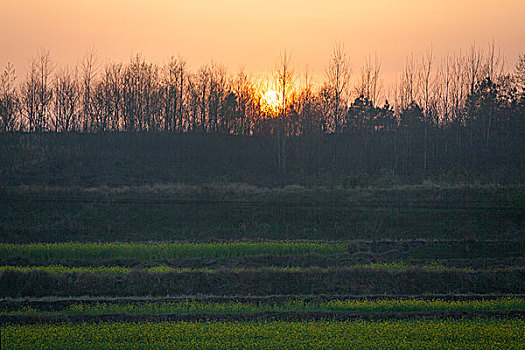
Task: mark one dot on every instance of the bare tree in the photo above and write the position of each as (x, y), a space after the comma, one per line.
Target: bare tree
(173, 77)
(140, 96)
(474, 67)
(338, 74)
(495, 62)
(307, 103)
(113, 80)
(284, 81)
(444, 89)
(459, 87)
(201, 87)
(193, 102)
(218, 81)
(45, 94)
(369, 84)
(519, 74)
(306, 108)
(409, 110)
(88, 73)
(9, 100)
(28, 93)
(426, 82)
(66, 101)
(37, 93)
(408, 89)
(242, 91)
(484, 71)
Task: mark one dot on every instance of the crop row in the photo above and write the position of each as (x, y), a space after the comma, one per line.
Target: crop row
(391, 261)
(156, 251)
(394, 266)
(475, 251)
(238, 307)
(398, 334)
(358, 281)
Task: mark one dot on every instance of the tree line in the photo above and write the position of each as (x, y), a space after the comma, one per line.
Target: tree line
(463, 110)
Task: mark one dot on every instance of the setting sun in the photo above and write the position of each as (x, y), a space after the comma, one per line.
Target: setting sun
(271, 101)
(274, 174)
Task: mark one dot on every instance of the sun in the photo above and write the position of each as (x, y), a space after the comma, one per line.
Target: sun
(271, 101)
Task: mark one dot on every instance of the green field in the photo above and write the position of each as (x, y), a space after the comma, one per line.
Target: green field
(246, 267)
(401, 334)
(290, 305)
(159, 251)
(61, 269)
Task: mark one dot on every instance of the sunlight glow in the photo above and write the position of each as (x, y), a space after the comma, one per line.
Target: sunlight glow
(271, 101)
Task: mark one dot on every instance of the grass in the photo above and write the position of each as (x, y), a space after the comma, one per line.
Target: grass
(60, 269)
(160, 251)
(366, 248)
(119, 270)
(263, 281)
(238, 307)
(392, 334)
(201, 213)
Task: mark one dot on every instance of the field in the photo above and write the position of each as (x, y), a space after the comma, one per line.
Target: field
(237, 266)
(406, 334)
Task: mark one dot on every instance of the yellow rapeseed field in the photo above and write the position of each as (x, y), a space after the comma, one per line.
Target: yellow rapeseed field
(391, 334)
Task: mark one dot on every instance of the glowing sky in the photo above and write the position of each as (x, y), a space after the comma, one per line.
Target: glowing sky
(249, 33)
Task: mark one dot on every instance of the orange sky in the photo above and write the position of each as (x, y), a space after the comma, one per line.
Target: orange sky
(252, 33)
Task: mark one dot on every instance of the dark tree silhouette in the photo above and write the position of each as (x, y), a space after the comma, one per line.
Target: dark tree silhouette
(462, 119)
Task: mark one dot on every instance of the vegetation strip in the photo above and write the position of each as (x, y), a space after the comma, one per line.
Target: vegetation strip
(242, 317)
(49, 301)
(384, 205)
(429, 333)
(155, 251)
(262, 282)
(119, 270)
(389, 261)
(100, 222)
(291, 305)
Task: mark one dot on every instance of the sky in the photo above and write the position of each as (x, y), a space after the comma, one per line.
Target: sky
(251, 34)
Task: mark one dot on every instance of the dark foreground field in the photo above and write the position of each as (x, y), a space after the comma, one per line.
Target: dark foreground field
(184, 266)
(239, 212)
